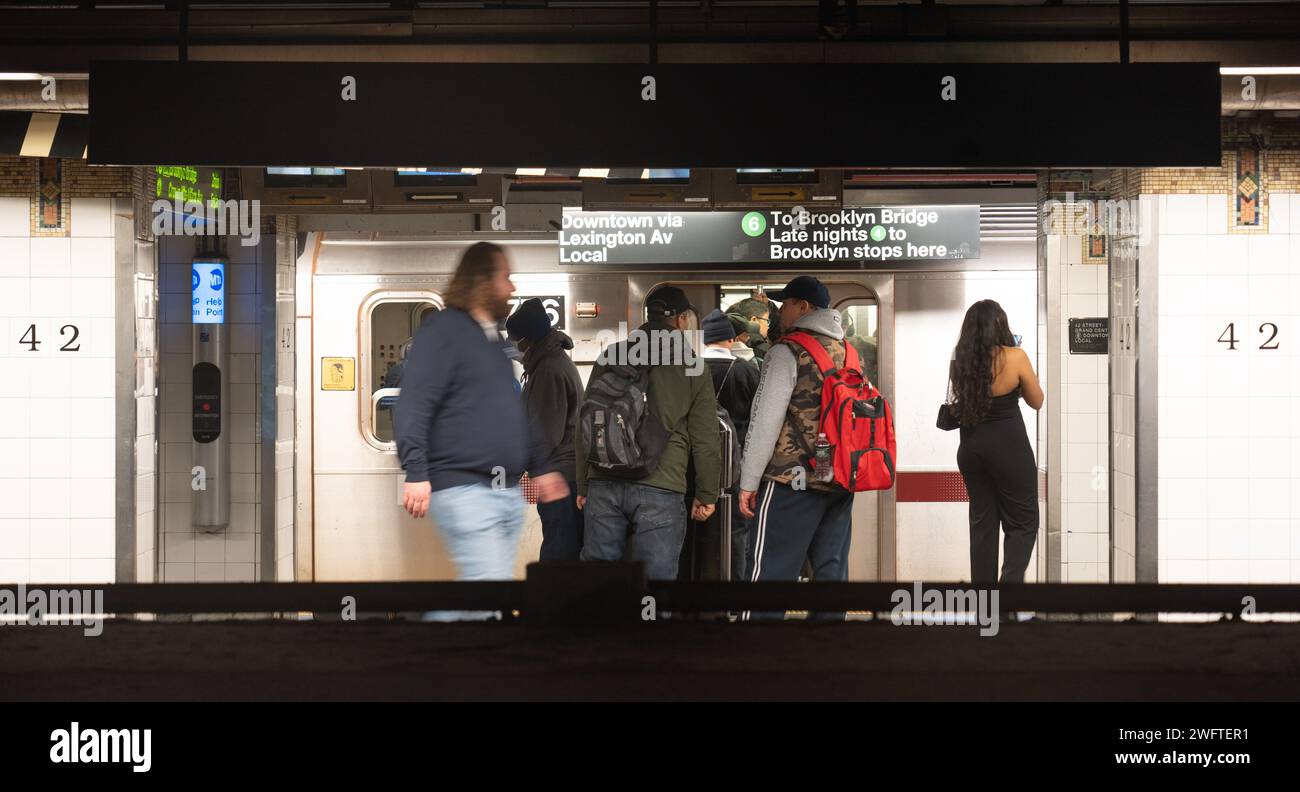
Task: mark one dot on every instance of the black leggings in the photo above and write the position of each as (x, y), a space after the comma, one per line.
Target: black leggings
(1001, 478)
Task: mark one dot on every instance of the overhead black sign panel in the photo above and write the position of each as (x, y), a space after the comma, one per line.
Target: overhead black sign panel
(661, 116)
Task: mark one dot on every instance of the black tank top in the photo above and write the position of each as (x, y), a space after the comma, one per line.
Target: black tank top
(1005, 406)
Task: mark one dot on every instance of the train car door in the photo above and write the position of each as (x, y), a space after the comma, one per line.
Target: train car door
(360, 335)
(359, 339)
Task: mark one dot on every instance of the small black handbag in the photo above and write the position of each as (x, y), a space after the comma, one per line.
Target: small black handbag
(946, 421)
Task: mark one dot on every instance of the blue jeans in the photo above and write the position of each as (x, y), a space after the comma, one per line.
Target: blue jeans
(656, 517)
(480, 527)
(561, 528)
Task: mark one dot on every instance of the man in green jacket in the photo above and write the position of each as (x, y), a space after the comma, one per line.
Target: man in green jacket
(680, 394)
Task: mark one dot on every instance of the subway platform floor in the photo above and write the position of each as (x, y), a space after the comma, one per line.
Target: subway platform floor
(664, 661)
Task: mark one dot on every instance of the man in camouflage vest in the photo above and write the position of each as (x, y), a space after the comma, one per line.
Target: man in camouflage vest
(794, 517)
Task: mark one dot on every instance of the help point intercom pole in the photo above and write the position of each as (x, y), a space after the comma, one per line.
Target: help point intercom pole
(211, 395)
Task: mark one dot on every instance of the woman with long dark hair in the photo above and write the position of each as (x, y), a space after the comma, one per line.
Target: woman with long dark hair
(988, 376)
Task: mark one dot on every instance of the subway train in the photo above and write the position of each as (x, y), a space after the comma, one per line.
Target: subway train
(368, 291)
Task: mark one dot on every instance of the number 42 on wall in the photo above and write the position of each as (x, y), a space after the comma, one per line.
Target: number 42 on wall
(69, 333)
(1229, 336)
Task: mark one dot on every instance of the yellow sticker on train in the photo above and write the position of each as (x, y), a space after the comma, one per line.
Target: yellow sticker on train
(338, 374)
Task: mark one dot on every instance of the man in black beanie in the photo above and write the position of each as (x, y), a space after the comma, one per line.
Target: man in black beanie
(552, 396)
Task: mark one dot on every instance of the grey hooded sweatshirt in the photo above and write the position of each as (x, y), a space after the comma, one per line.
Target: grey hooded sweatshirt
(775, 384)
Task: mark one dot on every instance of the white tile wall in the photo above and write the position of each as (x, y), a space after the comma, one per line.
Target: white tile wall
(1229, 451)
(14, 217)
(92, 217)
(1085, 523)
(57, 499)
(15, 258)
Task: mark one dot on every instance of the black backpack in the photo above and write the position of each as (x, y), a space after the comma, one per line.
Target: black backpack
(619, 434)
(725, 417)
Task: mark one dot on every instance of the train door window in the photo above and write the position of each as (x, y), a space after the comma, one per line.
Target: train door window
(389, 327)
(734, 294)
(861, 322)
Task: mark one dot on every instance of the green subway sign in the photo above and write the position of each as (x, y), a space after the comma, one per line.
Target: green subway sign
(187, 183)
(772, 236)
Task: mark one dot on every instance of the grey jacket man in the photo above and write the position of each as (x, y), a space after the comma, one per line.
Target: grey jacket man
(775, 385)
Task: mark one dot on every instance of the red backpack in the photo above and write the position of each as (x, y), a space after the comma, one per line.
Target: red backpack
(856, 419)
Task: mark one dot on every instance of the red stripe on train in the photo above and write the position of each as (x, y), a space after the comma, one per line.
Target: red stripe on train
(941, 486)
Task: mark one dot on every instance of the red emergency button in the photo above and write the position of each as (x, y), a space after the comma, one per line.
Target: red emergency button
(206, 406)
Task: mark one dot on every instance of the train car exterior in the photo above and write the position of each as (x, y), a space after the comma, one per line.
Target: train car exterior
(367, 291)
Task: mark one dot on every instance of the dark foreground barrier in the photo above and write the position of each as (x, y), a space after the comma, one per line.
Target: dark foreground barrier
(616, 592)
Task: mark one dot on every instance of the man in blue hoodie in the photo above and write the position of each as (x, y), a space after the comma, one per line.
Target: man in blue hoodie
(462, 433)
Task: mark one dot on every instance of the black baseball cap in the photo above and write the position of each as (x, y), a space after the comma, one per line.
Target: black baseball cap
(667, 301)
(804, 287)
